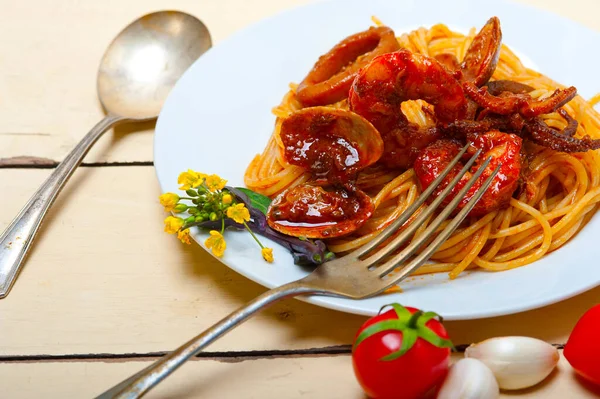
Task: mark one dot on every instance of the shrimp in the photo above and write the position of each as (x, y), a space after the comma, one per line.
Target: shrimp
(390, 79)
(505, 152)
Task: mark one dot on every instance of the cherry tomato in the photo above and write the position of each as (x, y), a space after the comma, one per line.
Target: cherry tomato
(583, 346)
(402, 353)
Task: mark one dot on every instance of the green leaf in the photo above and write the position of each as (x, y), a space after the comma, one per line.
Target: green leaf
(409, 337)
(383, 325)
(258, 201)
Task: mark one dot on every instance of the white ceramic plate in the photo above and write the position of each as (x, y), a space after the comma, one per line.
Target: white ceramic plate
(219, 116)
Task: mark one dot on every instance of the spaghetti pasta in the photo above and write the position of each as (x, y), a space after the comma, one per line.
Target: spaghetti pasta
(561, 194)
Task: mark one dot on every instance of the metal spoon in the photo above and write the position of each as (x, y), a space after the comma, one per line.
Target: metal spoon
(136, 74)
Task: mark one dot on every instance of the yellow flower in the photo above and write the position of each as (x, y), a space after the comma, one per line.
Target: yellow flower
(169, 200)
(216, 243)
(267, 254)
(227, 199)
(190, 179)
(214, 183)
(184, 236)
(173, 224)
(239, 213)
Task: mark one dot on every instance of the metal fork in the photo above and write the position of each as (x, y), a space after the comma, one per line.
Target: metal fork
(361, 274)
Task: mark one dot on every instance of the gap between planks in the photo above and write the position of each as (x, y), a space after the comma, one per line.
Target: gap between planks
(26, 162)
(225, 357)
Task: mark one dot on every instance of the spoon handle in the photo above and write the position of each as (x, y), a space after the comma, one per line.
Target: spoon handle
(16, 240)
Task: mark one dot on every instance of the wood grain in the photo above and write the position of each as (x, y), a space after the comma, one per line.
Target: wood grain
(104, 278)
(105, 289)
(50, 55)
(286, 377)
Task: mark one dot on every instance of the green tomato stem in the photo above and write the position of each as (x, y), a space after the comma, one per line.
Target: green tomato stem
(412, 322)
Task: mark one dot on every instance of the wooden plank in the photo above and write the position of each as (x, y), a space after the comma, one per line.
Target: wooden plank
(47, 94)
(287, 377)
(104, 278)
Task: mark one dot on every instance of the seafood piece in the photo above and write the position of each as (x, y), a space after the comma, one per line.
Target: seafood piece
(487, 121)
(534, 129)
(334, 144)
(313, 211)
(483, 54)
(390, 79)
(497, 87)
(519, 103)
(572, 123)
(330, 78)
(460, 129)
(503, 148)
(540, 133)
(480, 60)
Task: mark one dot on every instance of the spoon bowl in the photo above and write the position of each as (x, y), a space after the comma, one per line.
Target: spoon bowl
(135, 76)
(144, 61)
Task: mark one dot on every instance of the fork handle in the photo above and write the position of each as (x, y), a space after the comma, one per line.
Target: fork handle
(142, 382)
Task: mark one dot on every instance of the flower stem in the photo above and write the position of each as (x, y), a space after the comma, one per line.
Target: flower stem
(222, 225)
(186, 198)
(252, 234)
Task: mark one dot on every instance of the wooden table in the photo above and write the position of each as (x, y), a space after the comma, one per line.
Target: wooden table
(105, 291)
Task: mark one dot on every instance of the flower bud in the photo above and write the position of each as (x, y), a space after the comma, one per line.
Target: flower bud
(189, 220)
(204, 215)
(227, 199)
(213, 216)
(191, 192)
(199, 219)
(180, 208)
(193, 211)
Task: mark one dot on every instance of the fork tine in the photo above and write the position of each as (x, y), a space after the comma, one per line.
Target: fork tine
(442, 237)
(385, 234)
(410, 230)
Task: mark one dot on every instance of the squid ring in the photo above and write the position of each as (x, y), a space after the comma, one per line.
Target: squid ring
(331, 77)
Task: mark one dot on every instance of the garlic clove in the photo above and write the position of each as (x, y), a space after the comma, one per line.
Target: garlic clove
(517, 362)
(469, 379)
